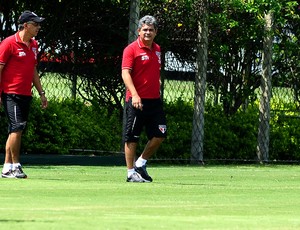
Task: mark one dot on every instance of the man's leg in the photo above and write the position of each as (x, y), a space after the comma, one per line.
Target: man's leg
(131, 146)
(7, 166)
(150, 148)
(17, 110)
(12, 155)
(8, 159)
(13, 146)
(130, 151)
(132, 175)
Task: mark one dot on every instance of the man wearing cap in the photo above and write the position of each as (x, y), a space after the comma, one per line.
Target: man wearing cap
(18, 72)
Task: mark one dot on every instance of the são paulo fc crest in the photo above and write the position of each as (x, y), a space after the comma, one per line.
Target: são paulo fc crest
(158, 54)
(35, 52)
(162, 128)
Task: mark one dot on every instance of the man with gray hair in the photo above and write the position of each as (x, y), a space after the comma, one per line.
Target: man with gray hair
(141, 65)
(18, 72)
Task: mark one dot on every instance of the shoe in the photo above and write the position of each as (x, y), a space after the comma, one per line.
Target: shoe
(18, 172)
(8, 174)
(143, 172)
(135, 177)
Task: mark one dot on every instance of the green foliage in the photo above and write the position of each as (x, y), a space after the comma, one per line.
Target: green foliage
(179, 124)
(234, 72)
(285, 137)
(233, 137)
(229, 138)
(226, 137)
(69, 125)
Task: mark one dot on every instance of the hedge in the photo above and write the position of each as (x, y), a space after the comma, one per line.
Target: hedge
(71, 124)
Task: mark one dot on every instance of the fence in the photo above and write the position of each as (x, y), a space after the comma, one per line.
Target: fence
(186, 80)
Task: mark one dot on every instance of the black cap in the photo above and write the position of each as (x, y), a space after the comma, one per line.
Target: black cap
(27, 16)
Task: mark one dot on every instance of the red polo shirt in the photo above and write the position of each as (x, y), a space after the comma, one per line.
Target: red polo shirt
(19, 61)
(144, 64)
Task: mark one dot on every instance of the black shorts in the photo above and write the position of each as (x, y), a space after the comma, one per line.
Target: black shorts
(152, 117)
(16, 108)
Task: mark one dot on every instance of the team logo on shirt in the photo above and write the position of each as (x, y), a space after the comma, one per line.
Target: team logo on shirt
(162, 128)
(22, 54)
(158, 55)
(145, 57)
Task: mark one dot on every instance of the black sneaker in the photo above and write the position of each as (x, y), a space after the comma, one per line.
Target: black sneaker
(143, 172)
(18, 173)
(135, 177)
(8, 174)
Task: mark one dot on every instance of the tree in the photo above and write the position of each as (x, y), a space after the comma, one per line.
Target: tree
(80, 40)
(286, 48)
(200, 83)
(264, 107)
(89, 46)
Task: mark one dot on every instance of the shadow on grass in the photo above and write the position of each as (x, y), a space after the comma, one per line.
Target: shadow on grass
(21, 221)
(82, 160)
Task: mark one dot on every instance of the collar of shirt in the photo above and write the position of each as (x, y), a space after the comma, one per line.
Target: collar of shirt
(142, 45)
(18, 39)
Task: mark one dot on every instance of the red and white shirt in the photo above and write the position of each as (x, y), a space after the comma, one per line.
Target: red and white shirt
(19, 61)
(145, 65)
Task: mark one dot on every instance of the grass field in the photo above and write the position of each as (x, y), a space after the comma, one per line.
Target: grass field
(181, 197)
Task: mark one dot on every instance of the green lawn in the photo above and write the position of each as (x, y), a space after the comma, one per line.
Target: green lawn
(181, 197)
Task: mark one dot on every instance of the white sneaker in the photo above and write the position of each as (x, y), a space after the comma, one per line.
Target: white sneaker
(135, 177)
(18, 173)
(8, 174)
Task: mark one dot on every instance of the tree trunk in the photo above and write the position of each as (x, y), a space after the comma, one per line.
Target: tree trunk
(132, 36)
(200, 85)
(264, 107)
